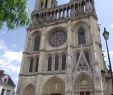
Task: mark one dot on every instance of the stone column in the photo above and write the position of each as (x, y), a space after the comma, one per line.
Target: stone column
(53, 63)
(69, 81)
(50, 3)
(67, 12)
(27, 40)
(42, 52)
(72, 11)
(54, 16)
(18, 86)
(39, 85)
(42, 43)
(41, 67)
(60, 62)
(59, 14)
(63, 13)
(96, 68)
(36, 5)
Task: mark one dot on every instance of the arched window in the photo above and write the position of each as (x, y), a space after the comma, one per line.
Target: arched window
(37, 43)
(49, 63)
(87, 56)
(5, 80)
(81, 36)
(37, 63)
(63, 62)
(56, 62)
(31, 65)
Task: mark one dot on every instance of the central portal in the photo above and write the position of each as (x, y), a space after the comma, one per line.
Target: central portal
(54, 86)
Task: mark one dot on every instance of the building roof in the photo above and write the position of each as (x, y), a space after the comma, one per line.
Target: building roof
(6, 79)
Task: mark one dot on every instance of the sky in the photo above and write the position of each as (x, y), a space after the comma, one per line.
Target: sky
(12, 42)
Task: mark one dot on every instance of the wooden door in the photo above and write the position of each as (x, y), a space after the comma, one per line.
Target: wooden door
(56, 94)
(82, 93)
(85, 93)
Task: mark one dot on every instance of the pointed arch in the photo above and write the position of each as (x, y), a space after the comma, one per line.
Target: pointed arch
(81, 36)
(37, 43)
(84, 84)
(54, 85)
(29, 90)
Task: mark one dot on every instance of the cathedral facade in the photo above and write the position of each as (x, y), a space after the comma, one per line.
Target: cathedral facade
(63, 53)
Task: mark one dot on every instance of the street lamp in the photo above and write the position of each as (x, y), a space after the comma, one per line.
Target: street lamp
(106, 37)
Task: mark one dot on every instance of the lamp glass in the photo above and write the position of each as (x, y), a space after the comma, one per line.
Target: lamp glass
(106, 35)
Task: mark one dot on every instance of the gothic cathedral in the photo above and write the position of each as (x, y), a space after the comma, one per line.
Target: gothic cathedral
(63, 53)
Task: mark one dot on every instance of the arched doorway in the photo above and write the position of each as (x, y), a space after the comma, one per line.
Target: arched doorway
(54, 86)
(29, 90)
(84, 85)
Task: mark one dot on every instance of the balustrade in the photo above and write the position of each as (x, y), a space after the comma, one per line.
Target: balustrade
(63, 12)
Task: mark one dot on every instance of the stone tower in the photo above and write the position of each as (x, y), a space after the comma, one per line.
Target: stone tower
(63, 53)
(45, 4)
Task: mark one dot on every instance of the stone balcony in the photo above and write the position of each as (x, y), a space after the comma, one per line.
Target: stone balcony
(73, 10)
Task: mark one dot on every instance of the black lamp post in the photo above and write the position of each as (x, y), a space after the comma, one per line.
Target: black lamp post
(106, 37)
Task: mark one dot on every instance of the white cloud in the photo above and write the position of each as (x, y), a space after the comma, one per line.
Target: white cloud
(10, 68)
(111, 52)
(106, 56)
(111, 25)
(9, 59)
(12, 56)
(2, 45)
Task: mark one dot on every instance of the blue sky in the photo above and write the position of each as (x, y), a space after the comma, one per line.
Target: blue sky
(12, 42)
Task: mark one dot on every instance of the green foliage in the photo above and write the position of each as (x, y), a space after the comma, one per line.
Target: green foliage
(13, 13)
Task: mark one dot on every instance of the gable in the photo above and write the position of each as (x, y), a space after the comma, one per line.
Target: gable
(82, 64)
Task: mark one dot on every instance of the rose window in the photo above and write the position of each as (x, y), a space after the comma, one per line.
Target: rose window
(57, 38)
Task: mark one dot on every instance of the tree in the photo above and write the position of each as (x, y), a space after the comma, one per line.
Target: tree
(13, 13)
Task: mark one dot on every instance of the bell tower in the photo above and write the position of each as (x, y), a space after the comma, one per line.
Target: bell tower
(63, 53)
(44, 4)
